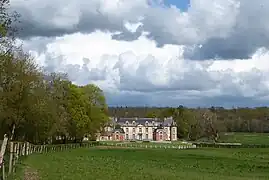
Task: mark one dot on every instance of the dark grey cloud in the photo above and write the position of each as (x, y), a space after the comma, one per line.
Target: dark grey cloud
(50, 18)
(230, 101)
(128, 99)
(227, 30)
(241, 44)
(127, 35)
(249, 33)
(169, 98)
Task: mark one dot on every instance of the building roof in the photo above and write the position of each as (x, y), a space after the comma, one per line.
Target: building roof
(140, 120)
(168, 121)
(157, 121)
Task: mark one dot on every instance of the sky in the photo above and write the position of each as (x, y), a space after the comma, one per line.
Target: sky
(180, 4)
(154, 52)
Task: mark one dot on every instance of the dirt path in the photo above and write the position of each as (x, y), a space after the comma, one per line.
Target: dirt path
(30, 174)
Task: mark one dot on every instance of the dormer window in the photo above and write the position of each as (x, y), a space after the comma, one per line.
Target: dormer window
(147, 123)
(127, 123)
(133, 122)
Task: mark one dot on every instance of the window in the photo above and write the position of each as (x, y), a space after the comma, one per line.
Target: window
(161, 137)
(147, 136)
(147, 129)
(127, 123)
(174, 130)
(133, 122)
(140, 129)
(127, 130)
(147, 123)
(133, 136)
(127, 136)
(117, 137)
(133, 129)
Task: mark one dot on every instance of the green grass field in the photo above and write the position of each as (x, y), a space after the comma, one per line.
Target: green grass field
(245, 138)
(149, 164)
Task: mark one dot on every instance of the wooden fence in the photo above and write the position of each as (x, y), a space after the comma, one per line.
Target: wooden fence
(12, 152)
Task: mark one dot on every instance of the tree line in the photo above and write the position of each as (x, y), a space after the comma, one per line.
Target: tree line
(38, 106)
(207, 123)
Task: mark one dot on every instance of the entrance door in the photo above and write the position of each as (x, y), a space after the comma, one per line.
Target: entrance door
(140, 137)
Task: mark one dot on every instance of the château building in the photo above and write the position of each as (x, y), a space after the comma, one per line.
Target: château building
(139, 129)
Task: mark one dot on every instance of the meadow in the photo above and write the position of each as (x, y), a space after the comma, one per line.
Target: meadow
(152, 164)
(245, 138)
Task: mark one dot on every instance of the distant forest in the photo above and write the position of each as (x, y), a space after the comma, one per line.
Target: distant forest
(207, 123)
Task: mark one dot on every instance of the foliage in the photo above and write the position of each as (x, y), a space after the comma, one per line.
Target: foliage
(205, 123)
(39, 107)
(40, 111)
(152, 164)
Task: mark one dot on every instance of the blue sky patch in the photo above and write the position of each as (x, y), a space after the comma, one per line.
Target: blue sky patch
(181, 4)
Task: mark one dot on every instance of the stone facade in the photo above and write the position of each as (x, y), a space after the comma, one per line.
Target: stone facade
(141, 129)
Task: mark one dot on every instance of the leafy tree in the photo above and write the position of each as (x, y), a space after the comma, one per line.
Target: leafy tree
(97, 109)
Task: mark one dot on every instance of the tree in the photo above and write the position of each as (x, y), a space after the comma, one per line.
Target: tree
(97, 109)
(210, 124)
(7, 28)
(18, 77)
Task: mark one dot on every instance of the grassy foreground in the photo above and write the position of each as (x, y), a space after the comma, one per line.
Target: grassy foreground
(149, 164)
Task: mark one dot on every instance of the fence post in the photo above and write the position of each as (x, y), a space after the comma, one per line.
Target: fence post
(15, 156)
(23, 149)
(20, 149)
(3, 171)
(10, 158)
(27, 148)
(2, 153)
(17, 152)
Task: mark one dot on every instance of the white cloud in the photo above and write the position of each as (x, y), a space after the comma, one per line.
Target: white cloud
(216, 53)
(141, 67)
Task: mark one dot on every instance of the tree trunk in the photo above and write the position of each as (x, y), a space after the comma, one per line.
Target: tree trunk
(216, 138)
(12, 132)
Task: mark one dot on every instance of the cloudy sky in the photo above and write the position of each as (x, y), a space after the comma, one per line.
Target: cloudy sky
(155, 52)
